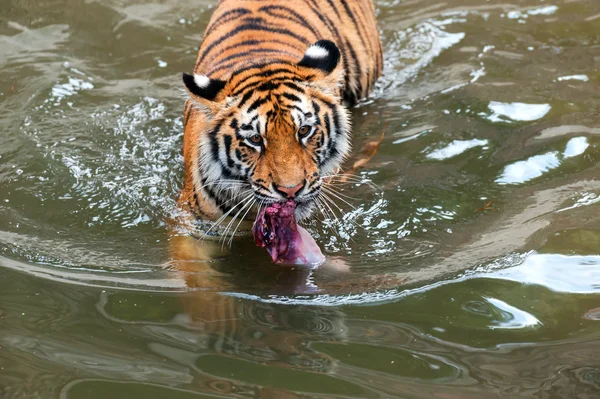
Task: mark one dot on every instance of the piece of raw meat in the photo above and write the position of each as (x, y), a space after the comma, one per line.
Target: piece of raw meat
(276, 230)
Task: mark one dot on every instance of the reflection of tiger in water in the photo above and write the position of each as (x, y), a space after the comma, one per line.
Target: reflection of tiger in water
(265, 120)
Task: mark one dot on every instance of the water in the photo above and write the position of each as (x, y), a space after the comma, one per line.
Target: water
(469, 268)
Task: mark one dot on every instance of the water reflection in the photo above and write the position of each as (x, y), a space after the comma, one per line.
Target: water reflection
(507, 112)
(574, 274)
(173, 345)
(537, 165)
(437, 295)
(455, 148)
(241, 343)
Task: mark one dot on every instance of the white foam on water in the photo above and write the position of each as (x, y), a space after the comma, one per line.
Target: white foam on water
(521, 112)
(582, 78)
(414, 49)
(576, 146)
(585, 200)
(455, 148)
(517, 14)
(523, 171)
(546, 10)
(74, 85)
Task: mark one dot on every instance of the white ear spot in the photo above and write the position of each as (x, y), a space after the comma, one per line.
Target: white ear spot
(201, 81)
(316, 51)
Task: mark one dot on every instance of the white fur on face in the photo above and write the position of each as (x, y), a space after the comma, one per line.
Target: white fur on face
(315, 51)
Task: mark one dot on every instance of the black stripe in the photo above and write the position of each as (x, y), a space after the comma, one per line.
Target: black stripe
(214, 142)
(207, 188)
(243, 144)
(257, 103)
(187, 111)
(236, 128)
(297, 108)
(355, 73)
(222, 64)
(291, 97)
(228, 140)
(332, 4)
(221, 18)
(245, 98)
(328, 129)
(196, 201)
(364, 39)
(333, 151)
(258, 76)
(259, 81)
(261, 43)
(267, 86)
(286, 15)
(241, 157)
(353, 18)
(316, 107)
(249, 27)
(262, 74)
(293, 86)
(358, 73)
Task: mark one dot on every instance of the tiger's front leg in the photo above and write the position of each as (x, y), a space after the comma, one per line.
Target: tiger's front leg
(194, 258)
(195, 248)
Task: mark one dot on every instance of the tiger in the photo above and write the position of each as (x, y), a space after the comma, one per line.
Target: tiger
(267, 116)
(267, 120)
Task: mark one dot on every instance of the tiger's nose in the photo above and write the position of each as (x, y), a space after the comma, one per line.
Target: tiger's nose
(289, 192)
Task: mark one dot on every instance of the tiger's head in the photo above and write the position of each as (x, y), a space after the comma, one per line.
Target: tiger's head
(272, 130)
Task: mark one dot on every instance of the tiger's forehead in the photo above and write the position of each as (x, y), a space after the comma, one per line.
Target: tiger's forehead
(269, 106)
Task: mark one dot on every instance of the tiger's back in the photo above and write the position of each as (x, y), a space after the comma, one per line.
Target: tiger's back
(240, 33)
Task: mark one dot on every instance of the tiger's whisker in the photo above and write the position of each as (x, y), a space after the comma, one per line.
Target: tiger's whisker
(337, 220)
(240, 222)
(325, 198)
(339, 193)
(222, 217)
(350, 219)
(323, 211)
(224, 236)
(330, 192)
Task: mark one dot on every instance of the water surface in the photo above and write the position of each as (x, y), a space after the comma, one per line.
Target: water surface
(468, 259)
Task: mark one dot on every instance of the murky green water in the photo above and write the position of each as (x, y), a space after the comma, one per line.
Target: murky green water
(483, 101)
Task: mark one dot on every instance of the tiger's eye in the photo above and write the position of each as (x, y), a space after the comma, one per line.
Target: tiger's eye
(304, 131)
(256, 138)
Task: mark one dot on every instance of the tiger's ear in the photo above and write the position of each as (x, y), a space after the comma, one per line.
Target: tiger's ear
(202, 87)
(325, 56)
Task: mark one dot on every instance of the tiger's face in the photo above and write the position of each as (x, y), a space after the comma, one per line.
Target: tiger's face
(273, 130)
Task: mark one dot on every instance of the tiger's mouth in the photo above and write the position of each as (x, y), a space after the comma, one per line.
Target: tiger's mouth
(304, 205)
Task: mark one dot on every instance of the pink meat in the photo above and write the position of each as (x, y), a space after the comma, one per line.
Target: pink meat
(276, 230)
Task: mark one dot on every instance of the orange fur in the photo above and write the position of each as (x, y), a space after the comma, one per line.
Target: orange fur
(250, 44)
